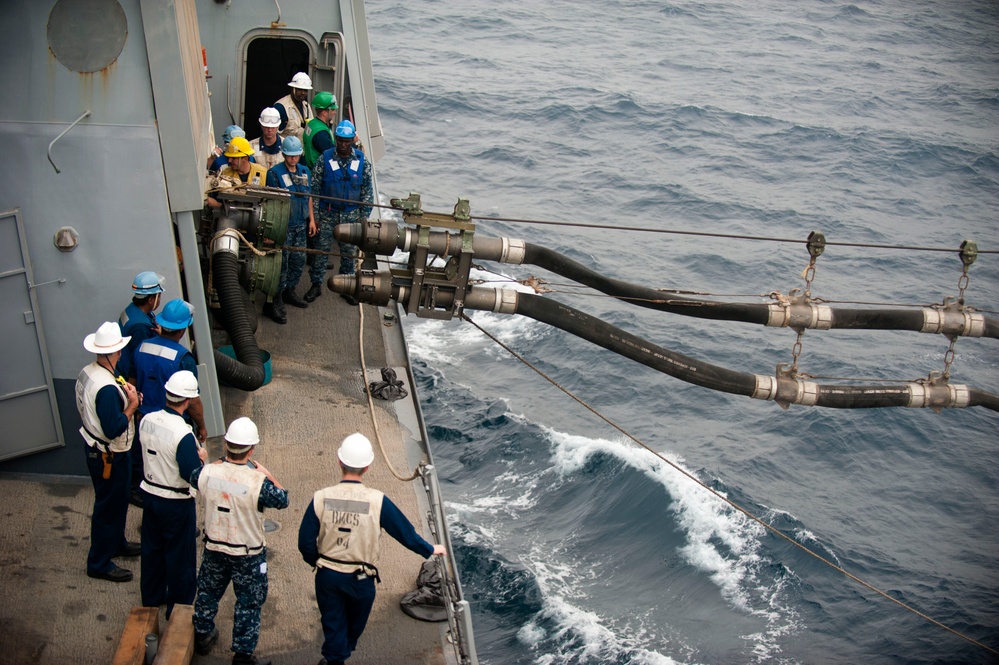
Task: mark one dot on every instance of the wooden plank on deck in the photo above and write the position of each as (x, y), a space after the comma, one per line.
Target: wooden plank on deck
(132, 645)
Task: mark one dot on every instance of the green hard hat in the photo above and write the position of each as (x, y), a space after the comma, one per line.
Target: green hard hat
(324, 100)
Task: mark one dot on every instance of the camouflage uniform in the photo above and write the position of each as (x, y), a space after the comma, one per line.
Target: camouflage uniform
(248, 574)
(327, 217)
(249, 582)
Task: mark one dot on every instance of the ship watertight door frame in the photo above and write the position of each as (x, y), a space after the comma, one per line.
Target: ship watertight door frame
(28, 408)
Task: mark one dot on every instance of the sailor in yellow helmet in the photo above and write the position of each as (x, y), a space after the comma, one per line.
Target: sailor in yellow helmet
(239, 171)
(339, 534)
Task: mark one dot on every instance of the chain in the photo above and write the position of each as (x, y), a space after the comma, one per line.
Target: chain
(796, 352)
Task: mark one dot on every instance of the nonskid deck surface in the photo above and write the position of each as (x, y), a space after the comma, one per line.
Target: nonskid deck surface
(53, 613)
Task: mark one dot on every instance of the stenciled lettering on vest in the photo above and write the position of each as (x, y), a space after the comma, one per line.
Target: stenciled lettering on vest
(344, 512)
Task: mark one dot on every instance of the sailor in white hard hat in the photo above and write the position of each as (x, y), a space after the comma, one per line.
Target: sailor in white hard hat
(294, 108)
(339, 535)
(267, 147)
(170, 456)
(234, 493)
(106, 403)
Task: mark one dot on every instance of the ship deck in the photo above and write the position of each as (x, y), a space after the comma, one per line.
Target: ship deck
(54, 613)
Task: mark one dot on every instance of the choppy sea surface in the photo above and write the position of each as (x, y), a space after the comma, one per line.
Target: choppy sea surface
(872, 122)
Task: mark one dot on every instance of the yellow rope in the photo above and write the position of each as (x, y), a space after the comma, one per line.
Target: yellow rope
(731, 503)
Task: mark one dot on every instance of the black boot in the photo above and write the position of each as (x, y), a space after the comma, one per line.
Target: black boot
(291, 298)
(249, 659)
(275, 309)
(314, 292)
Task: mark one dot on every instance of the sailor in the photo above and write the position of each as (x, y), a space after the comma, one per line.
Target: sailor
(160, 356)
(267, 147)
(218, 159)
(294, 107)
(318, 137)
(235, 492)
(239, 171)
(343, 173)
(138, 322)
(106, 403)
(291, 175)
(169, 521)
(339, 533)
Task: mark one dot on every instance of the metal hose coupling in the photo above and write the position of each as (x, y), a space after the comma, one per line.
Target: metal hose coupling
(367, 286)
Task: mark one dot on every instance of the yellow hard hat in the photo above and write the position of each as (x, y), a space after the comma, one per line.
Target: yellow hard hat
(238, 147)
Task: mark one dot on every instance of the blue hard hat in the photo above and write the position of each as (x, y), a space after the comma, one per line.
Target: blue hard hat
(176, 315)
(291, 146)
(230, 132)
(147, 283)
(345, 130)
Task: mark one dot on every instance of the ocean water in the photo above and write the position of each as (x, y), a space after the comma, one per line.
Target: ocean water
(873, 122)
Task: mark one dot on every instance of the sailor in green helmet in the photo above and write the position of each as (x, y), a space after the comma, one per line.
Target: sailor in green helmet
(317, 137)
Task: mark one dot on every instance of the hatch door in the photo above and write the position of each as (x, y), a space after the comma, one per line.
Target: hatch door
(27, 395)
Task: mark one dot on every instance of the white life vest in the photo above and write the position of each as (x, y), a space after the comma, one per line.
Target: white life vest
(92, 378)
(233, 525)
(266, 159)
(296, 121)
(160, 433)
(349, 526)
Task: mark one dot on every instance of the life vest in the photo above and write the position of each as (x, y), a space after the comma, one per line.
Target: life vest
(267, 158)
(312, 129)
(92, 378)
(349, 526)
(257, 176)
(160, 433)
(294, 182)
(342, 183)
(233, 525)
(156, 360)
(296, 119)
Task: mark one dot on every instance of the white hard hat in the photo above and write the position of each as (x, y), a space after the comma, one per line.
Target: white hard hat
(301, 80)
(242, 432)
(182, 384)
(106, 340)
(270, 117)
(355, 451)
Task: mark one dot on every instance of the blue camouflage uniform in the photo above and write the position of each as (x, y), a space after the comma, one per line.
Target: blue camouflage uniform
(248, 574)
(293, 263)
(342, 178)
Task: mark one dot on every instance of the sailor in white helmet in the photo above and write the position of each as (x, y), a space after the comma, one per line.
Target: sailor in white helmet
(106, 403)
(339, 534)
(294, 108)
(234, 493)
(170, 455)
(267, 147)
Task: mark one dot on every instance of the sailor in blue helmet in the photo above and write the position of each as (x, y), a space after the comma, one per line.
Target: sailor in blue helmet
(218, 158)
(294, 177)
(106, 404)
(160, 356)
(343, 175)
(169, 517)
(138, 323)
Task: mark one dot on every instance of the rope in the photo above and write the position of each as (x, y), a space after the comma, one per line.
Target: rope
(371, 403)
(769, 527)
